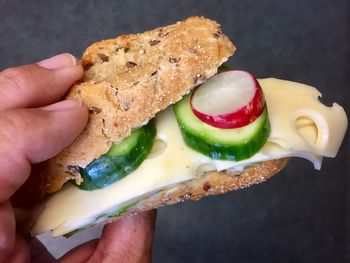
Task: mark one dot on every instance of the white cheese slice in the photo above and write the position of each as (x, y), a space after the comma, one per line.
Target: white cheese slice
(300, 126)
(293, 105)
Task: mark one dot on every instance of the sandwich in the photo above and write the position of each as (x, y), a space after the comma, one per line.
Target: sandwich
(168, 123)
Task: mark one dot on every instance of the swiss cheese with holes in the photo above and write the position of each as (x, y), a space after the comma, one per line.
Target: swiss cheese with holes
(301, 126)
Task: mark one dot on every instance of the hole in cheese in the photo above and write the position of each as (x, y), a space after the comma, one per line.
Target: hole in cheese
(307, 129)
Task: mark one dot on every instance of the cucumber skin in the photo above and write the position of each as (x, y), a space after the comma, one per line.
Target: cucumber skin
(231, 152)
(224, 67)
(76, 231)
(109, 168)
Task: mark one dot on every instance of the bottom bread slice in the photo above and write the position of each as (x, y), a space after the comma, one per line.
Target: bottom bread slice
(212, 183)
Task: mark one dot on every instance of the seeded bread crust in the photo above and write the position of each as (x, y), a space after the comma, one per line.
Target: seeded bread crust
(212, 183)
(129, 79)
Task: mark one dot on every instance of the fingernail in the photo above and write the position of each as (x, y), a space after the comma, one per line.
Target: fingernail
(60, 61)
(64, 105)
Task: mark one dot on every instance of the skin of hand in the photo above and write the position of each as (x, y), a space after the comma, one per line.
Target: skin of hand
(35, 126)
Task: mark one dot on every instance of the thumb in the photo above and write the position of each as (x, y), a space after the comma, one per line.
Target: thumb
(34, 135)
(128, 239)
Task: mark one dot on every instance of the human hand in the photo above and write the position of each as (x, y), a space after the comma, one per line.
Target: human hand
(33, 128)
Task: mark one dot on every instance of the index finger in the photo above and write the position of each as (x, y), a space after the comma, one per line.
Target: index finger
(38, 84)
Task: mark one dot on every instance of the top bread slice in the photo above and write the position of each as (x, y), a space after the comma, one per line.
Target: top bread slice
(127, 80)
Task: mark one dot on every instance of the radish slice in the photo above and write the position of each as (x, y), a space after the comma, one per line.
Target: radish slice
(230, 99)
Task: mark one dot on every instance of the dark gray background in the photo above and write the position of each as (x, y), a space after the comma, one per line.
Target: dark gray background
(301, 215)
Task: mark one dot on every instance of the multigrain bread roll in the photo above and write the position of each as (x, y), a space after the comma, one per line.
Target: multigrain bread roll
(127, 80)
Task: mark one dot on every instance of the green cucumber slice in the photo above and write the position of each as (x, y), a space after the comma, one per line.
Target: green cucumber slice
(224, 67)
(121, 159)
(116, 213)
(223, 144)
(76, 231)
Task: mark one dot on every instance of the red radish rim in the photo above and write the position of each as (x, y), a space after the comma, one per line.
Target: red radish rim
(242, 116)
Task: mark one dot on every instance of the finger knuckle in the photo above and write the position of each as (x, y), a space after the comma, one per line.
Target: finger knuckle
(6, 127)
(9, 128)
(14, 78)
